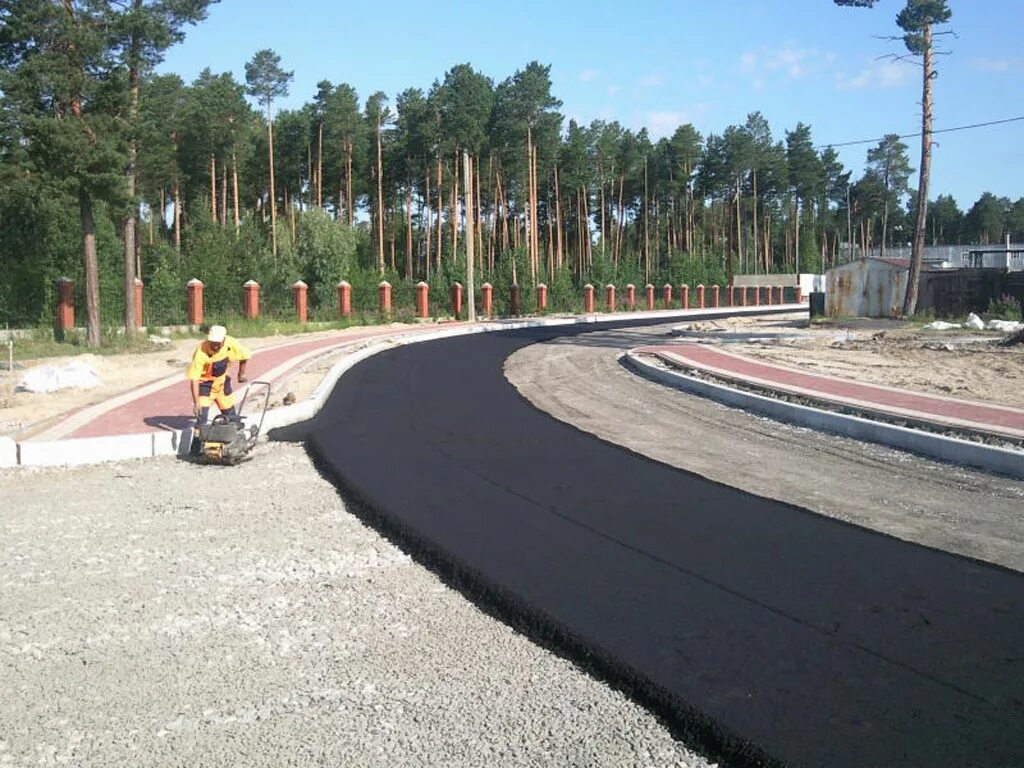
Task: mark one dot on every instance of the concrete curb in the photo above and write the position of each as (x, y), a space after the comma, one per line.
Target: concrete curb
(145, 445)
(953, 450)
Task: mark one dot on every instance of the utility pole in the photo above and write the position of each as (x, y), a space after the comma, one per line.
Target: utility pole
(849, 223)
(467, 172)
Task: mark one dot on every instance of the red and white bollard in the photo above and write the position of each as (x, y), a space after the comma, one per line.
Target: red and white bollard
(456, 296)
(344, 298)
(609, 297)
(299, 294)
(422, 300)
(631, 297)
(666, 295)
(65, 320)
(715, 295)
(649, 290)
(251, 299)
(384, 297)
(700, 296)
(194, 301)
(486, 299)
(542, 297)
(588, 299)
(684, 296)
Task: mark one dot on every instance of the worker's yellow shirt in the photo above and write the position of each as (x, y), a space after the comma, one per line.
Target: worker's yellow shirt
(207, 365)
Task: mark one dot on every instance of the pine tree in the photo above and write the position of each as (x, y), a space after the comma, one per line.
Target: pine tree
(918, 20)
(59, 73)
(267, 81)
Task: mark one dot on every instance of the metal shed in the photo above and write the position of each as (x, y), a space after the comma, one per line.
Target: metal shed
(867, 288)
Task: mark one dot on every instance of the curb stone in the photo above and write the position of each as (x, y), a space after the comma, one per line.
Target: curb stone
(951, 449)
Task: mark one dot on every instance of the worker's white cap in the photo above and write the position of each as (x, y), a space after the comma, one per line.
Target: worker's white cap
(217, 334)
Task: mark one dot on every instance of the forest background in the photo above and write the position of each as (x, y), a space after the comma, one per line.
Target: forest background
(110, 171)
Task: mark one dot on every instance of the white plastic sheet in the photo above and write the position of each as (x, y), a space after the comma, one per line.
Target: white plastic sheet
(50, 378)
(1004, 326)
(974, 322)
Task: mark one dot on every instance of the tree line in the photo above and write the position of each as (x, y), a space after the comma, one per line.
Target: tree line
(111, 172)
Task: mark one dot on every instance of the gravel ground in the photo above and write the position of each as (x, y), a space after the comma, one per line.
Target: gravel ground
(159, 613)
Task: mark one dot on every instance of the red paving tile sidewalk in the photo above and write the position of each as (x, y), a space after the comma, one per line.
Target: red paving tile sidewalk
(945, 411)
(165, 404)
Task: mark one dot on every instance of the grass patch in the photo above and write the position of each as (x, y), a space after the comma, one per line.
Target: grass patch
(42, 344)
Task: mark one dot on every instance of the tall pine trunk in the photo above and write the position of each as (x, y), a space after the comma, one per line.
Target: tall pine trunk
(756, 241)
(429, 233)
(213, 188)
(380, 199)
(408, 232)
(273, 192)
(223, 217)
(796, 246)
(917, 253)
(131, 178)
(234, 186)
(177, 217)
(320, 167)
(440, 211)
(92, 277)
(558, 217)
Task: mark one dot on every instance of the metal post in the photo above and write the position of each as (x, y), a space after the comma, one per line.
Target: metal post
(467, 172)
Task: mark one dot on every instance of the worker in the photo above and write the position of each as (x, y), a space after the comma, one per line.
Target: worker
(208, 373)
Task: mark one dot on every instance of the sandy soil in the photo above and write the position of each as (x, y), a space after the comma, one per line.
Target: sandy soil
(939, 505)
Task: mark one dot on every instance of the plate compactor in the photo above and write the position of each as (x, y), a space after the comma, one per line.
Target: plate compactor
(229, 440)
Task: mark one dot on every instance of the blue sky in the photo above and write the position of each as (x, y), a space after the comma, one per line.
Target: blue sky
(660, 64)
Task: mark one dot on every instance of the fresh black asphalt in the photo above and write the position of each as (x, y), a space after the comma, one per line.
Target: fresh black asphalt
(763, 633)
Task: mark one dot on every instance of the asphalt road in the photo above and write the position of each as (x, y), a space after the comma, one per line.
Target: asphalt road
(764, 633)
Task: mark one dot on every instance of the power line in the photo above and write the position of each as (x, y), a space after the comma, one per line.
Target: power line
(915, 135)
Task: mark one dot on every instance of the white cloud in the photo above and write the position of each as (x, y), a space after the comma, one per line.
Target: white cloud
(613, 89)
(879, 74)
(589, 74)
(650, 81)
(661, 124)
(788, 60)
(998, 65)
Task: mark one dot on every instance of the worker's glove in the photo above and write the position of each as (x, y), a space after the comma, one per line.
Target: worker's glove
(242, 378)
(196, 411)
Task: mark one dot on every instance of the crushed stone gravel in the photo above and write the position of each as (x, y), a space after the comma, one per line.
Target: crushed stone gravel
(158, 613)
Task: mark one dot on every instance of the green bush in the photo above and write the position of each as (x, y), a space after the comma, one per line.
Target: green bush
(1006, 307)
(327, 252)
